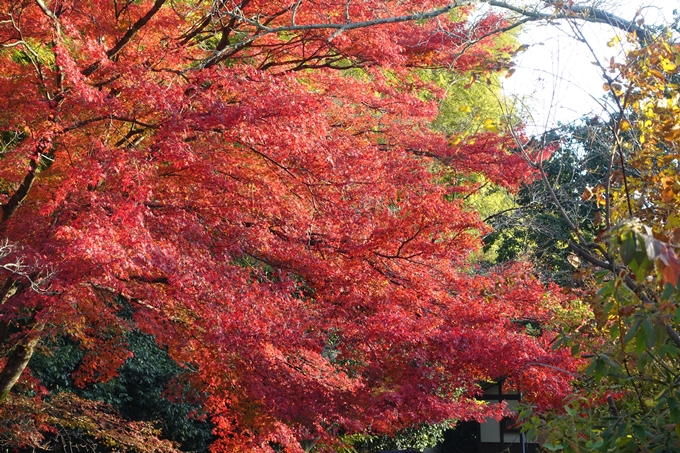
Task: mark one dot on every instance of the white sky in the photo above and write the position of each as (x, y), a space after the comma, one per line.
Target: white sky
(556, 75)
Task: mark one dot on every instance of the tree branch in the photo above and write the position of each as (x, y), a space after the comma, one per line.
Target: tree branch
(586, 13)
(141, 22)
(562, 11)
(22, 192)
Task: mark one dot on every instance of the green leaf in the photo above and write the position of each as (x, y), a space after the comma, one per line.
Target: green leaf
(668, 291)
(590, 369)
(676, 315)
(648, 329)
(643, 270)
(531, 434)
(607, 308)
(642, 361)
(614, 367)
(668, 350)
(640, 342)
(660, 334)
(674, 409)
(614, 332)
(628, 248)
(600, 368)
(606, 290)
(632, 331)
(640, 432)
(601, 274)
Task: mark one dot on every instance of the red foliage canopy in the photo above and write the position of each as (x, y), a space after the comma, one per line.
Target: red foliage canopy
(260, 190)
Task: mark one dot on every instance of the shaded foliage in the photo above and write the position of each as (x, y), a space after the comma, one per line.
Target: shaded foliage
(142, 391)
(534, 227)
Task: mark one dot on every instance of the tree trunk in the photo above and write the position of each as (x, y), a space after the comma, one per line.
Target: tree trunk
(16, 364)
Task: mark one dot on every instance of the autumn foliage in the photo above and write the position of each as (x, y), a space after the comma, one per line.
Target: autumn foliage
(266, 203)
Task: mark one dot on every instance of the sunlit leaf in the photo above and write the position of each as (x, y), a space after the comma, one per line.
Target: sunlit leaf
(489, 125)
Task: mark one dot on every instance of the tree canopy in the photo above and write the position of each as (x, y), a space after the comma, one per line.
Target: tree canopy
(257, 185)
(268, 219)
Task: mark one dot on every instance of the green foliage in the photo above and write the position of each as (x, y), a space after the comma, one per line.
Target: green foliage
(473, 100)
(414, 438)
(32, 52)
(629, 397)
(623, 212)
(465, 108)
(533, 226)
(137, 393)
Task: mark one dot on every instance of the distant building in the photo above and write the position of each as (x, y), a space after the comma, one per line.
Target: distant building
(491, 436)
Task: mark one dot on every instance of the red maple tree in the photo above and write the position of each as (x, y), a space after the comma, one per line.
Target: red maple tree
(255, 180)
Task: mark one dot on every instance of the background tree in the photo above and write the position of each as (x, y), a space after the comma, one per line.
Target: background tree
(628, 398)
(532, 224)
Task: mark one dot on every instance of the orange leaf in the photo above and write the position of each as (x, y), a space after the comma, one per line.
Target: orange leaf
(670, 266)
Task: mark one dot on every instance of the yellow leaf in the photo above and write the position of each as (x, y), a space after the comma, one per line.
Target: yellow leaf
(464, 109)
(625, 125)
(473, 78)
(489, 125)
(667, 195)
(667, 65)
(673, 221)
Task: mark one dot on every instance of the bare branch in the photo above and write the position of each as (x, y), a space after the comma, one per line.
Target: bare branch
(22, 192)
(557, 11)
(263, 29)
(48, 12)
(295, 10)
(37, 276)
(585, 13)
